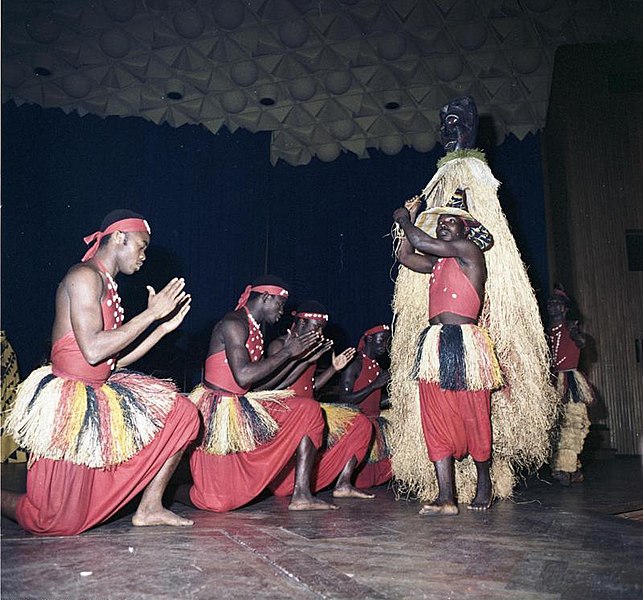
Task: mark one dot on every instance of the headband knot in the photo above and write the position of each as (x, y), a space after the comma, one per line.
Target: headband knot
(125, 225)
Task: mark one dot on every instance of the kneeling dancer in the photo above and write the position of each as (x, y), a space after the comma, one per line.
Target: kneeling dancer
(363, 382)
(97, 434)
(348, 431)
(249, 436)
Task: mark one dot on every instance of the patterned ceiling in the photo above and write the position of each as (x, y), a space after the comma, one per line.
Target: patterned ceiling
(323, 76)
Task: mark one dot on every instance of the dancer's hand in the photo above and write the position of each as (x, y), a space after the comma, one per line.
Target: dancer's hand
(342, 359)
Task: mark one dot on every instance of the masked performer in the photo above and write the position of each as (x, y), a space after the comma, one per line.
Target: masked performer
(523, 409)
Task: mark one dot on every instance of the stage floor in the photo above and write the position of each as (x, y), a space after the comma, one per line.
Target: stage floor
(549, 542)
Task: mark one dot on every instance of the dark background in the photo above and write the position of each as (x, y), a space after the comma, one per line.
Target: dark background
(221, 215)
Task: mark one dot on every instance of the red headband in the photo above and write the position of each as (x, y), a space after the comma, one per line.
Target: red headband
(559, 292)
(122, 225)
(273, 290)
(310, 315)
(371, 331)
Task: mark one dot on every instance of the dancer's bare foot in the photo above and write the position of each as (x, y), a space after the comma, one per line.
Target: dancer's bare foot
(577, 477)
(480, 504)
(437, 510)
(311, 503)
(348, 491)
(159, 517)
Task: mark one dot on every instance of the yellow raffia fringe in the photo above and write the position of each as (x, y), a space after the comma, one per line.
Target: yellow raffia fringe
(583, 387)
(523, 411)
(338, 419)
(230, 430)
(482, 368)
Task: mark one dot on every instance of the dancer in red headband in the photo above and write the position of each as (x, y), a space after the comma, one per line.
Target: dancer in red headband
(98, 434)
(252, 429)
(575, 392)
(362, 384)
(348, 432)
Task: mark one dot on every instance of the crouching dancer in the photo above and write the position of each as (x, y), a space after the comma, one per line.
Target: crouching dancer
(249, 436)
(97, 434)
(348, 433)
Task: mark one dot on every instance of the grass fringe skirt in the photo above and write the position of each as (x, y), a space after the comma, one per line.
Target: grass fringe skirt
(99, 427)
(235, 423)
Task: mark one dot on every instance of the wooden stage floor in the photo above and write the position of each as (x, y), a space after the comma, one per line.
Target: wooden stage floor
(548, 542)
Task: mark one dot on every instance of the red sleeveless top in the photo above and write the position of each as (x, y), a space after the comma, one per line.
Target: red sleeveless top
(450, 290)
(565, 353)
(68, 361)
(370, 406)
(217, 369)
(305, 385)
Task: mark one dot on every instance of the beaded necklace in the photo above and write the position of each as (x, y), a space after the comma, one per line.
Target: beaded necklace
(254, 344)
(555, 334)
(113, 300)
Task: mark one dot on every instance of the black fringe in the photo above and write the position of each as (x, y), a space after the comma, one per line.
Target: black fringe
(91, 418)
(41, 386)
(453, 369)
(415, 371)
(259, 429)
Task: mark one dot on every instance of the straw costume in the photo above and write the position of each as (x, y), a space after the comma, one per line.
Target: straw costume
(523, 409)
(575, 393)
(249, 437)
(96, 435)
(10, 452)
(377, 468)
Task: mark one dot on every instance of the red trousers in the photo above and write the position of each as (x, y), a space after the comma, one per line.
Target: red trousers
(223, 483)
(330, 461)
(376, 473)
(455, 423)
(65, 499)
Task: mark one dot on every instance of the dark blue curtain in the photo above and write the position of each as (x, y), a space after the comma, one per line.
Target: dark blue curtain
(221, 215)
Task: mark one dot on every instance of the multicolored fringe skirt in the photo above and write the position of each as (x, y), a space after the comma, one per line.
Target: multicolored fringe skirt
(572, 386)
(235, 423)
(99, 427)
(379, 449)
(338, 419)
(457, 357)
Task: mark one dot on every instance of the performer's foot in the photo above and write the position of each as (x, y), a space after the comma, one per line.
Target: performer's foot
(311, 503)
(577, 477)
(562, 477)
(348, 491)
(480, 504)
(159, 517)
(437, 510)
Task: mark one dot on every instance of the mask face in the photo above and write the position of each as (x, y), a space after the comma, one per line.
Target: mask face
(459, 124)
